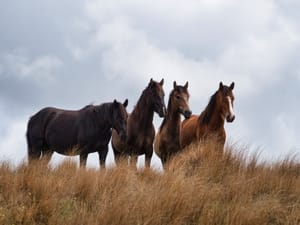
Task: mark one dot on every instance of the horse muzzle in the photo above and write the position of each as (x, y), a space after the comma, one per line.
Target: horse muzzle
(230, 119)
(186, 113)
(162, 112)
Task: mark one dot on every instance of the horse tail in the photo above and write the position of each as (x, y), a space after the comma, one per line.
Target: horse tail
(35, 134)
(33, 150)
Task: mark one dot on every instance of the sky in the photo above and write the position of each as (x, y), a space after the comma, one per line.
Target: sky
(69, 54)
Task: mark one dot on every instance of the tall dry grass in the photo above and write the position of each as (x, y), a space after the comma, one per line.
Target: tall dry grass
(199, 187)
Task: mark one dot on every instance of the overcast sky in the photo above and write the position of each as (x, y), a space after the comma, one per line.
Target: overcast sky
(69, 54)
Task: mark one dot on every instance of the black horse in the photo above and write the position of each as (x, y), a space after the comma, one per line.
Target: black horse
(75, 132)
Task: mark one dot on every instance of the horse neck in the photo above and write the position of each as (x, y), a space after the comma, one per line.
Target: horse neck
(172, 121)
(212, 115)
(217, 120)
(143, 112)
(104, 114)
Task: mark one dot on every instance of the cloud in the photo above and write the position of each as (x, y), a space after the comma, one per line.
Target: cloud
(39, 69)
(251, 46)
(12, 142)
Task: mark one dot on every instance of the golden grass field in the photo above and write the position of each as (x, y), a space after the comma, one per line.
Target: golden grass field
(198, 187)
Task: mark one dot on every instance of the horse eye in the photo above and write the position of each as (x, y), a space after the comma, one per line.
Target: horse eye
(177, 97)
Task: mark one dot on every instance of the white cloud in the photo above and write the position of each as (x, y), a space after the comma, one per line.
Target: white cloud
(13, 142)
(39, 68)
(254, 41)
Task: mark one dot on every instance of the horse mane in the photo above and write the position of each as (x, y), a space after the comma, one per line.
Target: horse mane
(102, 112)
(168, 109)
(208, 111)
(87, 106)
(142, 102)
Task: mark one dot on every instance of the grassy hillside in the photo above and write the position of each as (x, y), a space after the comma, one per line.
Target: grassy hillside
(199, 187)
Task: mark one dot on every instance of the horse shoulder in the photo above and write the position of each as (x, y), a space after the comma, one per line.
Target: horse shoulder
(151, 135)
(85, 123)
(189, 126)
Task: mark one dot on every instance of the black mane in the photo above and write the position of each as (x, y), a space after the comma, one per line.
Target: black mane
(142, 101)
(207, 113)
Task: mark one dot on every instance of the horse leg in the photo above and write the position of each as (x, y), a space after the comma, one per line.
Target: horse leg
(34, 154)
(148, 157)
(46, 155)
(82, 159)
(117, 156)
(102, 156)
(133, 160)
(34, 150)
(163, 161)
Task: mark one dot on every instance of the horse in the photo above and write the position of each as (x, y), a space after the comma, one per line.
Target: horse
(167, 140)
(210, 124)
(140, 128)
(75, 132)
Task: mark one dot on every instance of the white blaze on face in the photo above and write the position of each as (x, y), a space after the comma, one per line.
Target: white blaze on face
(231, 112)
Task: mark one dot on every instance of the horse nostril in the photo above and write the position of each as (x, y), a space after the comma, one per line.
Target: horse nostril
(187, 113)
(230, 118)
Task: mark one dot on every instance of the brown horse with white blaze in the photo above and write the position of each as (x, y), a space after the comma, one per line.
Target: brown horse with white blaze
(140, 128)
(167, 140)
(210, 123)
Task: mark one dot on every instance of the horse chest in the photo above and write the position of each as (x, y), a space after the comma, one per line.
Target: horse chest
(140, 141)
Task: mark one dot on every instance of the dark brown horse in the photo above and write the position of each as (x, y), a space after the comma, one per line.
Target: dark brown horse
(210, 123)
(75, 132)
(140, 129)
(167, 140)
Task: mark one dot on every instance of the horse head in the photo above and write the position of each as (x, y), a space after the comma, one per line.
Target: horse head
(157, 97)
(120, 115)
(226, 99)
(180, 99)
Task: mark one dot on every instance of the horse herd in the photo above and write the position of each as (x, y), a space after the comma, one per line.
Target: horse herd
(80, 132)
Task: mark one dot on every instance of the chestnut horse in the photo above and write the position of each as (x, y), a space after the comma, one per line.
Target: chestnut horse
(75, 132)
(210, 123)
(140, 129)
(167, 139)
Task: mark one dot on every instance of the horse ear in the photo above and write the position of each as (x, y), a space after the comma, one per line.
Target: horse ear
(186, 85)
(174, 85)
(115, 103)
(221, 86)
(125, 104)
(231, 86)
(161, 82)
(150, 82)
